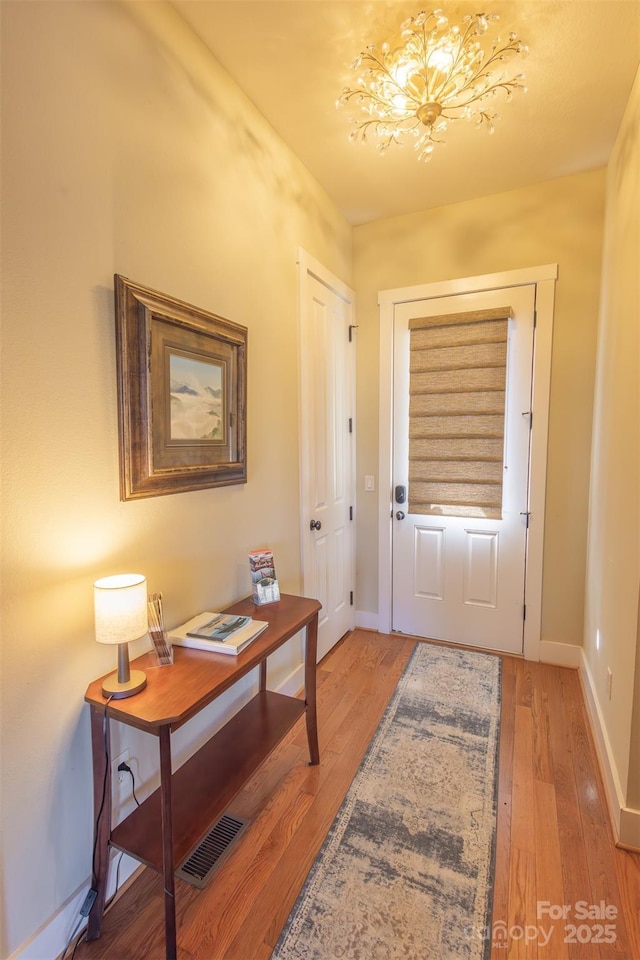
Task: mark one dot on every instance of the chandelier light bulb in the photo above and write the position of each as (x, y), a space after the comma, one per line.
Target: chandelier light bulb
(432, 75)
(442, 59)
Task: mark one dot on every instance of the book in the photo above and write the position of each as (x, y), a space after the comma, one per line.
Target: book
(218, 632)
(264, 583)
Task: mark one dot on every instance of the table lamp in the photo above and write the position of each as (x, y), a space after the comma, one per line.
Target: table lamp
(120, 605)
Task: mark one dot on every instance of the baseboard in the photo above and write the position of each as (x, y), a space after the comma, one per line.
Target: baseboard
(293, 684)
(629, 829)
(366, 620)
(560, 654)
(52, 937)
(625, 821)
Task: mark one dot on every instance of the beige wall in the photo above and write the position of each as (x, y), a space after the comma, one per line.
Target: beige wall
(555, 222)
(613, 573)
(125, 149)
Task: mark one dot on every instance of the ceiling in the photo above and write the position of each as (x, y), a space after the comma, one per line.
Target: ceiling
(292, 58)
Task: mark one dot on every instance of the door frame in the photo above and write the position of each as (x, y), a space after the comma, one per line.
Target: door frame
(308, 267)
(544, 277)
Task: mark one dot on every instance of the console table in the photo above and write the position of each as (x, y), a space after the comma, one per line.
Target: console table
(172, 821)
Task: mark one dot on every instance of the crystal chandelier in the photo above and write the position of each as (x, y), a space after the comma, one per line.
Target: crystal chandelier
(430, 76)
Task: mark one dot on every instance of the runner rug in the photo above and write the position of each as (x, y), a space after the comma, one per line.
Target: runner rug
(406, 870)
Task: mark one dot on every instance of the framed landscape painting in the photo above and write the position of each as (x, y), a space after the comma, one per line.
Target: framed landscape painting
(181, 394)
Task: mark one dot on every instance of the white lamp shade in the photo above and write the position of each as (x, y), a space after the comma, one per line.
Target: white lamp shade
(120, 605)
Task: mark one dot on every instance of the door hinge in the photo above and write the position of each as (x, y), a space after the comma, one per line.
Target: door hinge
(524, 611)
(351, 598)
(350, 513)
(527, 514)
(350, 424)
(352, 327)
(535, 318)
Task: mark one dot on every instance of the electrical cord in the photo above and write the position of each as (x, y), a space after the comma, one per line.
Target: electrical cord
(78, 941)
(91, 896)
(125, 768)
(83, 936)
(104, 792)
(69, 941)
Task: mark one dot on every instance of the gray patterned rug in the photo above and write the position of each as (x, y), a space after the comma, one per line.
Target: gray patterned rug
(406, 870)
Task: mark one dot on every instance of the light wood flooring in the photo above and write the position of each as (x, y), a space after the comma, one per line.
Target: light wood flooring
(554, 843)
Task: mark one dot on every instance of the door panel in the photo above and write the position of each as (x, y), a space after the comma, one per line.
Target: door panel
(480, 576)
(461, 578)
(327, 482)
(428, 564)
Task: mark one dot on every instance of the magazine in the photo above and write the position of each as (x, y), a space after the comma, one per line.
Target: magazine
(264, 583)
(219, 627)
(218, 632)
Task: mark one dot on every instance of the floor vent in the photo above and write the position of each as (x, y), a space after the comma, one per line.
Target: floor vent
(199, 865)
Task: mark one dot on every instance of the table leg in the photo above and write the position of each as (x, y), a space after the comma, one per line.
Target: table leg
(170, 942)
(102, 813)
(310, 689)
(263, 675)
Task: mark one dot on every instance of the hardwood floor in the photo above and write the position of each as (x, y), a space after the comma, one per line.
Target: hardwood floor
(555, 852)
(553, 844)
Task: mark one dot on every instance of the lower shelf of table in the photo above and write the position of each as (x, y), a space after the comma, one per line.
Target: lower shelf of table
(203, 787)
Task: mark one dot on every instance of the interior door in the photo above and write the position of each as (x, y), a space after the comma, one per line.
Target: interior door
(327, 470)
(462, 420)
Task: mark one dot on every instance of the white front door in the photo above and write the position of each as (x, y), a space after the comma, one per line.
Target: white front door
(459, 557)
(327, 396)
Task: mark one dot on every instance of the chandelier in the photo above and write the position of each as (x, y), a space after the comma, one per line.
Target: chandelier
(429, 76)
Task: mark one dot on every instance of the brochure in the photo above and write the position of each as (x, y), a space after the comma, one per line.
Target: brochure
(264, 584)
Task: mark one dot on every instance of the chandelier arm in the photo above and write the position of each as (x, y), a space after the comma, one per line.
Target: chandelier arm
(373, 97)
(370, 96)
(497, 56)
(364, 128)
(468, 34)
(397, 85)
(507, 85)
(482, 75)
(425, 59)
(406, 124)
(483, 68)
(383, 67)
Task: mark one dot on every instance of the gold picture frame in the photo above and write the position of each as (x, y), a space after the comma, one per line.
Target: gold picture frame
(182, 383)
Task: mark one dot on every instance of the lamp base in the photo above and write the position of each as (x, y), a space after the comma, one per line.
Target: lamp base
(112, 687)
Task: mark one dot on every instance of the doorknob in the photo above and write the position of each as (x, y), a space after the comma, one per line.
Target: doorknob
(400, 515)
(315, 525)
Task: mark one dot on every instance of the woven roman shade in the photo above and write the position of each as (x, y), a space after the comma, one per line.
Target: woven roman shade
(457, 386)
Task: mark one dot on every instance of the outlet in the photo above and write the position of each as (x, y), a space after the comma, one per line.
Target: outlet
(609, 682)
(120, 776)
